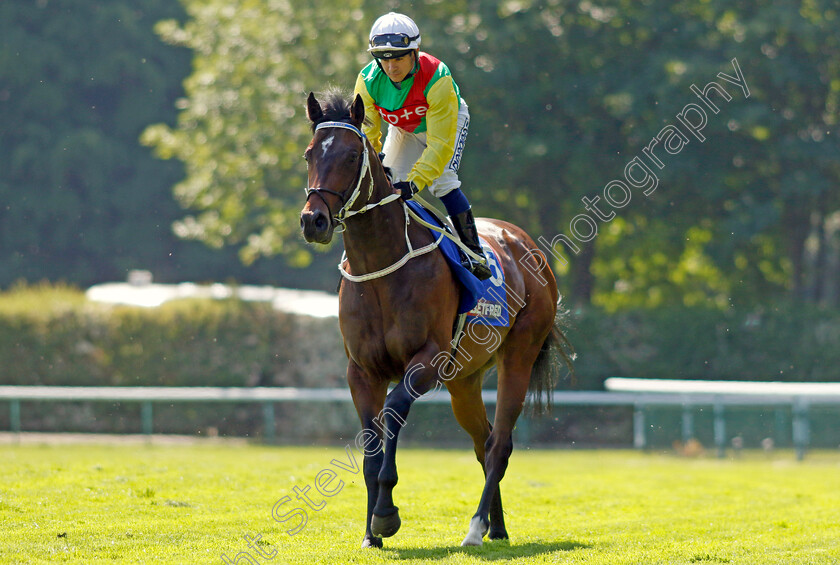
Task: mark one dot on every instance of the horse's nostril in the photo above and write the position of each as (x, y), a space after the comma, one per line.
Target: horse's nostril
(321, 222)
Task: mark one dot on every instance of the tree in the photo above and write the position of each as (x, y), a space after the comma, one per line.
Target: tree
(242, 127)
(786, 143)
(564, 95)
(81, 199)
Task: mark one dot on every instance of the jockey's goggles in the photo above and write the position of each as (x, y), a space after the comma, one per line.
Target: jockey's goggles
(391, 41)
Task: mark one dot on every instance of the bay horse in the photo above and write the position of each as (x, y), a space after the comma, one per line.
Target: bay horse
(397, 304)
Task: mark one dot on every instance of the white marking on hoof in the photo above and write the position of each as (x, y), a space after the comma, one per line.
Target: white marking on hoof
(476, 533)
(371, 542)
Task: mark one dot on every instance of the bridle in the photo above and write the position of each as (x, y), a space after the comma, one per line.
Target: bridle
(346, 210)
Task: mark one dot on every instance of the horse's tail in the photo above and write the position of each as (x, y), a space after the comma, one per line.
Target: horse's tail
(556, 352)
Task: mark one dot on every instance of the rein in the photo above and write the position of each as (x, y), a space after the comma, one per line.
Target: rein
(346, 212)
(412, 253)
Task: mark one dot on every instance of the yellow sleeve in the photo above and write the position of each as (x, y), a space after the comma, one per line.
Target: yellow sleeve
(441, 129)
(372, 126)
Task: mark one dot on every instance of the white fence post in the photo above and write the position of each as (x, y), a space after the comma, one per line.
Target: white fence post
(720, 429)
(801, 427)
(687, 422)
(639, 431)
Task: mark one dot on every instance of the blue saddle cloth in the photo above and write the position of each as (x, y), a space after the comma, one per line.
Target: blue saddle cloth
(485, 301)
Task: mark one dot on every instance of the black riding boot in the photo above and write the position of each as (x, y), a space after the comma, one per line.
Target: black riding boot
(465, 226)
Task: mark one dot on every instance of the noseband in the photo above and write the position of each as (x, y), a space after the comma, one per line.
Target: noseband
(346, 203)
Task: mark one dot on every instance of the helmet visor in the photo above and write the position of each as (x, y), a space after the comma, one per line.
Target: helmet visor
(390, 53)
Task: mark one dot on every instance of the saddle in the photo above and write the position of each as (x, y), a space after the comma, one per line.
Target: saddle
(471, 288)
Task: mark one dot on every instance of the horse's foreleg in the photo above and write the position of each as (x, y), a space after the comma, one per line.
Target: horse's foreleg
(372, 465)
(386, 521)
(419, 379)
(368, 399)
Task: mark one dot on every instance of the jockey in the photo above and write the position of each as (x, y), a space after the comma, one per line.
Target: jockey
(427, 122)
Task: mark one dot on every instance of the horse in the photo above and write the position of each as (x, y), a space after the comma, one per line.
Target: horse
(397, 306)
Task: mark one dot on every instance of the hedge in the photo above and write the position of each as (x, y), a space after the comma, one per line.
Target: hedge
(53, 336)
(66, 340)
(783, 342)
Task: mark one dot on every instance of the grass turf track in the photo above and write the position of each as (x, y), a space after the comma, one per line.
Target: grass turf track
(190, 504)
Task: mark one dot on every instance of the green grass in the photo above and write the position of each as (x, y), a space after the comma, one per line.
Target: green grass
(189, 504)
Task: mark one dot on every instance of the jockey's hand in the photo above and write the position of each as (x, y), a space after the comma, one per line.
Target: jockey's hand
(407, 189)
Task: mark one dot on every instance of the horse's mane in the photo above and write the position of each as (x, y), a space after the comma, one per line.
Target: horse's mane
(335, 104)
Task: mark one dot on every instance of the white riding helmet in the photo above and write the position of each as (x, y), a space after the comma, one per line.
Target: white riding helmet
(393, 35)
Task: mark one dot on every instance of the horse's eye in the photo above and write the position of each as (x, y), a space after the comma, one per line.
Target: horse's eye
(306, 155)
(353, 157)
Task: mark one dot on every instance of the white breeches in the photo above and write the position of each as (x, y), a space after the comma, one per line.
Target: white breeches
(402, 150)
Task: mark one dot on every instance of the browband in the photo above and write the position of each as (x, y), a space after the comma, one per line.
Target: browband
(343, 125)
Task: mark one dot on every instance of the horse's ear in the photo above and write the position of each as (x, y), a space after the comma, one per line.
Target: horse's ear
(357, 110)
(313, 108)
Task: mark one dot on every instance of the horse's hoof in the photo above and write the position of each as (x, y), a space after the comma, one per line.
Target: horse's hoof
(498, 534)
(386, 526)
(372, 541)
(478, 529)
(471, 540)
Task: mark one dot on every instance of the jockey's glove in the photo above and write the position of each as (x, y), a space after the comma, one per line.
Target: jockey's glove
(407, 189)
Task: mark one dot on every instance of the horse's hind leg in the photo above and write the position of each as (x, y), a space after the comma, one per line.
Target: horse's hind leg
(514, 375)
(471, 414)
